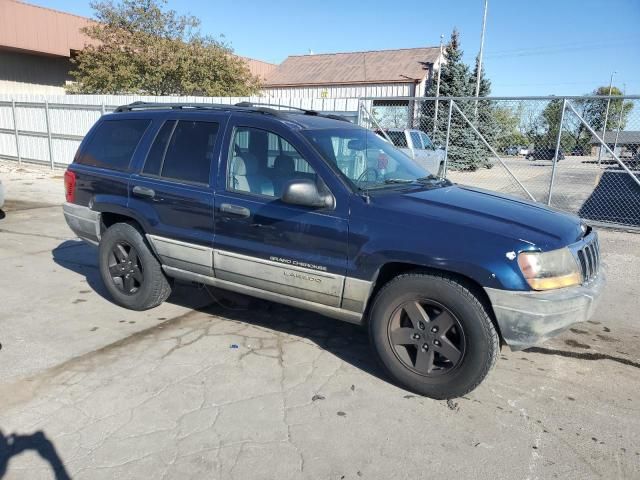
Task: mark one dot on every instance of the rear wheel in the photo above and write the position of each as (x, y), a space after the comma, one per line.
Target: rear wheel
(432, 335)
(131, 273)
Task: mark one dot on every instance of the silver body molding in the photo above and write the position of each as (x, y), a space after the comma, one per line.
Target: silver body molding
(182, 255)
(329, 311)
(529, 318)
(83, 221)
(330, 294)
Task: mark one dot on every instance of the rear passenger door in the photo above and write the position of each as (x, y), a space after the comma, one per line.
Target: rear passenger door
(173, 189)
(263, 242)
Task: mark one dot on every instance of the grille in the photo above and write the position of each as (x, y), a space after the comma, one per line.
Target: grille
(589, 257)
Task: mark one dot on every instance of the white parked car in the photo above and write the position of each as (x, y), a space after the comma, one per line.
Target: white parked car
(418, 146)
(1, 194)
(523, 151)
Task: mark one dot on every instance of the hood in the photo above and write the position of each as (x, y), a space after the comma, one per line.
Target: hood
(491, 212)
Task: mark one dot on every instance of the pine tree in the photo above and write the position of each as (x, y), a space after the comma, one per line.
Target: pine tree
(455, 81)
(484, 116)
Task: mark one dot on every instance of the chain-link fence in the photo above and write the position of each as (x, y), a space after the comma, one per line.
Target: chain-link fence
(578, 154)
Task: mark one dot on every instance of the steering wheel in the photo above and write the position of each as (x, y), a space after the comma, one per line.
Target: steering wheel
(364, 175)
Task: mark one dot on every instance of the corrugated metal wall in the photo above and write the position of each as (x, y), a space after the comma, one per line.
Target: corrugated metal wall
(343, 91)
(69, 117)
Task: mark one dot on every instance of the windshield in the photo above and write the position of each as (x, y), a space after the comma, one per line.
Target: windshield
(365, 159)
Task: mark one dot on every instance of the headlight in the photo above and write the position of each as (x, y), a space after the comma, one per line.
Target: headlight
(548, 270)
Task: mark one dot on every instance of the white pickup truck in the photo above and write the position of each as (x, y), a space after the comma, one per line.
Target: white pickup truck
(418, 146)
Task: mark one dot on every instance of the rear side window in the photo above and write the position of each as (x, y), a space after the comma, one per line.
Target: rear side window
(398, 139)
(183, 150)
(113, 143)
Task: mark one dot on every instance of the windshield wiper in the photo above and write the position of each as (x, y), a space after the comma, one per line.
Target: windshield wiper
(429, 178)
(397, 180)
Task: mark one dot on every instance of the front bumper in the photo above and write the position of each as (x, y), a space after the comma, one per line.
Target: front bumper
(529, 318)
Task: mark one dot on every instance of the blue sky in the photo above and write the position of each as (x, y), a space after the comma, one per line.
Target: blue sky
(533, 47)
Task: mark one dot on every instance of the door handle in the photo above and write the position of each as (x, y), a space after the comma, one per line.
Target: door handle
(235, 210)
(143, 192)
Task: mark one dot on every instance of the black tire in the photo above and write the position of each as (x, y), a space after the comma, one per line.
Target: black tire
(135, 280)
(471, 334)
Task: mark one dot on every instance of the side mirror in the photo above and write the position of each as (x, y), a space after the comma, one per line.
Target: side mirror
(305, 192)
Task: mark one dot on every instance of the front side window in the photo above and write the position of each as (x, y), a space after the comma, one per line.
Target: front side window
(262, 163)
(365, 159)
(113, 143)
(183, 150)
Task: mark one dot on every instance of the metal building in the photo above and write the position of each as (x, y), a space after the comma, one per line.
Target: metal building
(382, 73)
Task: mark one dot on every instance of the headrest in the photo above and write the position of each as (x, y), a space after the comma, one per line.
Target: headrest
(247, 164)
(284, 164)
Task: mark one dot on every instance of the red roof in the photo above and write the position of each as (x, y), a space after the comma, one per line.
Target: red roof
(381, 66)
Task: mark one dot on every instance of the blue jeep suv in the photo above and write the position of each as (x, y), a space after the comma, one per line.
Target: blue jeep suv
(315, 212)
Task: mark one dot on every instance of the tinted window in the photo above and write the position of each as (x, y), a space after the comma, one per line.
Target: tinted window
(113, 143)
(189, 153)
(156, 154)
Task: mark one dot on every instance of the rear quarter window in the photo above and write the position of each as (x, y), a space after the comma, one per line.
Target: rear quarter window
(183, 150)
(113, 143)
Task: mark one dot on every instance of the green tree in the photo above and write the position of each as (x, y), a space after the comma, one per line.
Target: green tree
(592, 109)
(139, 46)
(465, 152)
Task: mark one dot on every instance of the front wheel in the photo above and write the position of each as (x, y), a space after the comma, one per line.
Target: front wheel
(432, 335)
(130, 271)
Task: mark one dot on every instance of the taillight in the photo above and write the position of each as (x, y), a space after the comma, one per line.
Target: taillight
(70, 186)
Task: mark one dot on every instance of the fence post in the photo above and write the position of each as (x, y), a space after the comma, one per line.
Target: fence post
(557, 152)
(102, 110)
(46, 116)
(15, 130)
(446, 142)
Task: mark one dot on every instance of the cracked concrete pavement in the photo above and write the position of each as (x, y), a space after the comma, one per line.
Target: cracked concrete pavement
(199, 388)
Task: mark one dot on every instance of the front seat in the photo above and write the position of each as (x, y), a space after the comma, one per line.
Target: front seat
(284, 169)
(245, 176)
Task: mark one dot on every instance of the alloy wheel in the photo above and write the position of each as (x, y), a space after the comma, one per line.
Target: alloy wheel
(125, 268)
(426, 337)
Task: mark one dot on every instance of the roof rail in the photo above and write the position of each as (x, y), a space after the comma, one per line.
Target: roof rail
(255, 104)
(303, 110)
(264, 108)
(193, 106)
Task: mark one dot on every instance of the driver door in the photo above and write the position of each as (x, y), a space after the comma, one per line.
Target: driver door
(263, 242)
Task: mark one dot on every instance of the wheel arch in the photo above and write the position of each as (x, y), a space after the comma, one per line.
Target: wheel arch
(391, 270)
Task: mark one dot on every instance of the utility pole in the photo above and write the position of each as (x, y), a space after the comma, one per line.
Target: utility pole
(435, 115)
(606, 117)
(484, 26)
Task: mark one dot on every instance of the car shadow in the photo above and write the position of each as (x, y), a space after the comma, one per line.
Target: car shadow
(14, 444)
(344, 340)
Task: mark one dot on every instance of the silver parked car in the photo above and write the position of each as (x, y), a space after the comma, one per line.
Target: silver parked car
(1, 195)
(418, 146)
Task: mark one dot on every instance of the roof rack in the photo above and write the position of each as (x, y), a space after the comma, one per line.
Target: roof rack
(254, 104)
(172, 106)
(303, 110)
(264, 108)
